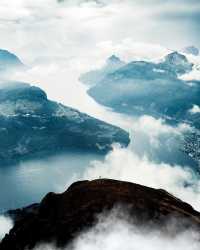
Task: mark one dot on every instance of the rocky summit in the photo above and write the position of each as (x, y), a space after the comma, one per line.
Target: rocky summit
(59, 218)
(31, 126)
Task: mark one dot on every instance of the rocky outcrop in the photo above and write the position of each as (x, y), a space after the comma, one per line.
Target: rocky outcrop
(31, 126)
(61, 217)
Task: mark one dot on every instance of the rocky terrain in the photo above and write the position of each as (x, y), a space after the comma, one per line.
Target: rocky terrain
(61, 217)
(31, 126)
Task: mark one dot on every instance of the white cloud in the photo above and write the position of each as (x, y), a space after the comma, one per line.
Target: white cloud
(21, 21)
(195, 109)
(5, 225)
(124, 164)
(114, 232)
(195, 73)
(128, 50)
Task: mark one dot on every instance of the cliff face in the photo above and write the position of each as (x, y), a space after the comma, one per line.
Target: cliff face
(60, 217)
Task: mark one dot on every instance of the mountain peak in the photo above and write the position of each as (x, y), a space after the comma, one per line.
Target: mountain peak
(191, 50)
(178, 62)
(114, 58)
(114, 62)
(176, 58)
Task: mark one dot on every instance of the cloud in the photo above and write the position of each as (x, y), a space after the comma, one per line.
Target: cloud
(5, 225)
(129, 50)
(21, 21)
(195, 109)
(114, 231)
(195, 73)
(79, 2)
(124, 164)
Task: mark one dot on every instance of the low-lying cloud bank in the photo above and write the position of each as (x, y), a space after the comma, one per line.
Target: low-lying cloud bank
(150, 160)
(124, 164)
(5, 225)
(114, 232)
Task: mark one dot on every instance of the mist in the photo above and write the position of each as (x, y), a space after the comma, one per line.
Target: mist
(115, 231)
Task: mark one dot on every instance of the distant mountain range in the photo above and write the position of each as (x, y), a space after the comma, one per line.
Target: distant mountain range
(141, 87)
(147, 88)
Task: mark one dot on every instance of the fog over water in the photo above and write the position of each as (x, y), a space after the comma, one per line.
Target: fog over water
(30, 181)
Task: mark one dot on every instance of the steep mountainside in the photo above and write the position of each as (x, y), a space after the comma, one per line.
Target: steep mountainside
(32, 126)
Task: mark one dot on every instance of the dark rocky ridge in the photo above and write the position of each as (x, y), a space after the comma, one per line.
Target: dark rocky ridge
(31, 126)
(60, 217)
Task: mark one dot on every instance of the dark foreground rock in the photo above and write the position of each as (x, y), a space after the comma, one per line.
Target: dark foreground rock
(61, 217)
(31, 126)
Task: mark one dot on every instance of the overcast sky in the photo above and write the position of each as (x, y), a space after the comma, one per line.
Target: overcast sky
(61, 39)
(71, 28)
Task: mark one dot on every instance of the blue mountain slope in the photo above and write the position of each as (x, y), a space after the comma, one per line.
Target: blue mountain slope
(192, 50)
(150, 88)
(32, 126)
(113, 63)
(9, 61)
(155, 89)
